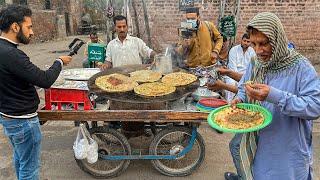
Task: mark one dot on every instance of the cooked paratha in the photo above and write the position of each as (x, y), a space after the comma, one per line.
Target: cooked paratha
(238, 118)
(154, 89)
(115, 83)
(179, 79)
(145, 76)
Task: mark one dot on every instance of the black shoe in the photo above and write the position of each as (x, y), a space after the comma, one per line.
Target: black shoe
(231, 176)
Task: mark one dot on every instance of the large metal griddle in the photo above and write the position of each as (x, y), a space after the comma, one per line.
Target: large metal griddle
(131, 97)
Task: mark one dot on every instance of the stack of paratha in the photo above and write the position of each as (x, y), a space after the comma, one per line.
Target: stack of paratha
(179, 79)
(116, 83)
(143, 76)
(150, 88)
(154, 89)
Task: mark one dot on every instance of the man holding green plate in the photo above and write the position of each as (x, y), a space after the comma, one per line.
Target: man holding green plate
(285, 83)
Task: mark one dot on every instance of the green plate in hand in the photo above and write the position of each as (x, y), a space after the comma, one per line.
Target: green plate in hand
(252, 107)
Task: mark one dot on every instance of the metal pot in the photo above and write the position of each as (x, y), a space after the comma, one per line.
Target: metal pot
(203, 92)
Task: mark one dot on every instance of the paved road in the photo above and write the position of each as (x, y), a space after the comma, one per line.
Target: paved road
(57, 155)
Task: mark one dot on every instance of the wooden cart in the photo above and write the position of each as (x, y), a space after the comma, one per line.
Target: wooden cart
(176, 148)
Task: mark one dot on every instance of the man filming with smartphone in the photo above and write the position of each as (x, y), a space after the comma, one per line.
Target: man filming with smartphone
(201, 40)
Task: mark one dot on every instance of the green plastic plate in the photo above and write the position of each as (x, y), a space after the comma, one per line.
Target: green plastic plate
(204, 108)
(252, 107)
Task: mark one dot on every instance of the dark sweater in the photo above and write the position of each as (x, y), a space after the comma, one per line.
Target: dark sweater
(18, 76)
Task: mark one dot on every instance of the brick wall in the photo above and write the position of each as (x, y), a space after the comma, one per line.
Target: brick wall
(36, 4)
(299, 17)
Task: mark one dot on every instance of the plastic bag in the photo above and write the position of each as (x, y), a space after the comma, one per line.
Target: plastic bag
(92, 154)
(81, 145)
(85, 146)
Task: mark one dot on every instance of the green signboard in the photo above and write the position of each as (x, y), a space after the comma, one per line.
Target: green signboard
(228, 26)
(96, 52)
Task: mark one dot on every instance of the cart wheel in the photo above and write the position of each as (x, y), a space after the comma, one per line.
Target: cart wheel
(110, 142)
(172, 141)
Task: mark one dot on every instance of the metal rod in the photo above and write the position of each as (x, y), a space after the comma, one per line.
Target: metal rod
(187, 149)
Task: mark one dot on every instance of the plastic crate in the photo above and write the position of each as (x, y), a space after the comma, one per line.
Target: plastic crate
(56, 98)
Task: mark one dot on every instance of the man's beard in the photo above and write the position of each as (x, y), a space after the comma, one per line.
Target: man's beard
(122, 34)
(244, 47)
(22, 38)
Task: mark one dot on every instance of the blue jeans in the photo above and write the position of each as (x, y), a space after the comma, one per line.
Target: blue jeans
(234, 146)
(25, 138)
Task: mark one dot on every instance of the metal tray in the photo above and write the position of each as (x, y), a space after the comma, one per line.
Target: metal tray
(79, 74)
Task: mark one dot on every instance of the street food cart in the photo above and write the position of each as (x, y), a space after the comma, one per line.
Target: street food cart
(176, 148)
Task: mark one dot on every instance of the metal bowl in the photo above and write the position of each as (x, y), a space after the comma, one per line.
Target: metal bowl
(203, 92)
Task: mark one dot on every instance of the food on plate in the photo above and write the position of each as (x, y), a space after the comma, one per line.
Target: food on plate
(238, 118)
(154, 89)
(179, 79)
(115, 83)
(145, 76)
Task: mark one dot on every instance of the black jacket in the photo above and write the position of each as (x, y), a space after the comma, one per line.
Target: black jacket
(18, 76)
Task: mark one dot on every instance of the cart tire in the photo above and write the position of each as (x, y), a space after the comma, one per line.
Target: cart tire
(108, 140)
(177, 167)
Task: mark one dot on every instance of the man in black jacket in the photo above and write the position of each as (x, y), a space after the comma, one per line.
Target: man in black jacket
(18, 97)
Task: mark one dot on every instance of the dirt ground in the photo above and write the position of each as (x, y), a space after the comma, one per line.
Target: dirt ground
(58, 163)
